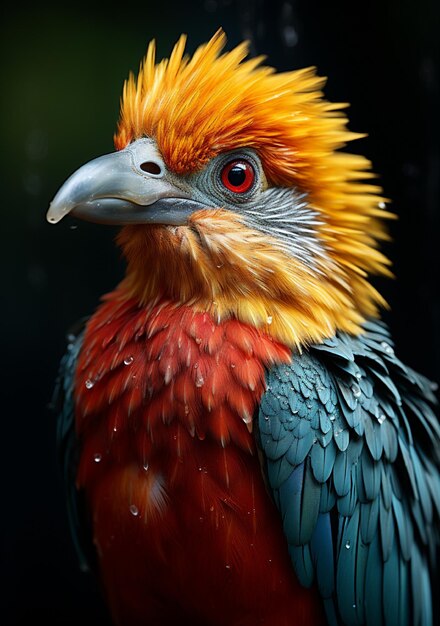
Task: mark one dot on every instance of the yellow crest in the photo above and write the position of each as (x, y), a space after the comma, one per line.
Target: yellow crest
(217, 101)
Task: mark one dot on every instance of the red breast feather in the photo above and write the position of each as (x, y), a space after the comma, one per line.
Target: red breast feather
(182, 521)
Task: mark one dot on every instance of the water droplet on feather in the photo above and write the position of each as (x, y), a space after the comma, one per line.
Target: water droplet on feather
(387, 348)
(356, 390)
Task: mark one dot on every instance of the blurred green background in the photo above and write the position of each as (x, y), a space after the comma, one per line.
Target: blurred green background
(62, 72)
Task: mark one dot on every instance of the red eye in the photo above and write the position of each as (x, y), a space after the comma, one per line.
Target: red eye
(238, 176)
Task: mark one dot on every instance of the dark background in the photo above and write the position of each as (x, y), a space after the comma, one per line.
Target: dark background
(62, 72)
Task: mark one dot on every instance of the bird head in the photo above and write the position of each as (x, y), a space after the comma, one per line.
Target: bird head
(235, 197)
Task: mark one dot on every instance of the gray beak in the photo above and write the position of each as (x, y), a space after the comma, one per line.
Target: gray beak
(131, 186)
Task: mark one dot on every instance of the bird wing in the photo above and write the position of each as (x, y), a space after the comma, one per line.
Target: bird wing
(352, 445)
(68, 450)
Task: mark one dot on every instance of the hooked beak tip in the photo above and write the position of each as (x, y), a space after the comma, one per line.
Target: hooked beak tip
(55, 213)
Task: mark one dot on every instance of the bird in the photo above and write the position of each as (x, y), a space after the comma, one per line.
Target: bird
(240, 443)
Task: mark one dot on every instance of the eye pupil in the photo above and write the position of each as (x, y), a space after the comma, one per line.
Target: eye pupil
(238, 176)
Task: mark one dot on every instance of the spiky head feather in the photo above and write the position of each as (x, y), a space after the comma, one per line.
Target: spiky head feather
(196, 108)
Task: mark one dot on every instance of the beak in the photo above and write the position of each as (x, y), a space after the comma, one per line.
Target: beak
(131, 186)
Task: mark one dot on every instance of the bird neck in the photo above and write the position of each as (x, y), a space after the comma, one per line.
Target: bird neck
(217, 266)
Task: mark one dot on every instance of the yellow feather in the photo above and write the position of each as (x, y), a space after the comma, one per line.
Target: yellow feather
(216, 101)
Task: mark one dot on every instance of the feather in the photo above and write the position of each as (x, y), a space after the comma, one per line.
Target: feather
(391, 589)
(357, 458)
(373, 585)
(302, 561)
(346, 569)
(369, 519)
(323, 460)
(311, 496)
(290, 494)
(321, 546)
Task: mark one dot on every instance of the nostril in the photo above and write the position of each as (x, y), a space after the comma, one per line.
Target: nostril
(151, 167)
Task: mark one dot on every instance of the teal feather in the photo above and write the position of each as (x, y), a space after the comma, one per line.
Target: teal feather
(311, 496)
(364, 450)
(404, 597)
(369, 519)
(323, 460)
(371, 476)
(373, 598)
(346, 569)
(302, 561)
(321, 546)
(391, 587)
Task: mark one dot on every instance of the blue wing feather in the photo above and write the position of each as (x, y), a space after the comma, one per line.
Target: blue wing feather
(350, 433)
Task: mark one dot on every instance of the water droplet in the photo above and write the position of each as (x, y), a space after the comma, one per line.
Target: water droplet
(356, 390)
(387, 348)
(232, 365)
(332, 417)
(347, 545)
(73, 227)
(228, 566)
(146, 466)
(198, 340)
(382, 205)
(433, 386)
(354, 606)
(186, 409)
(128, 360)
(219, 266)
(290, 36)
(199, 381)
(89, 383)
(211, 508)
(269, 319)
(358, 375)
(382, 417)
(97, 457)
(134, 510)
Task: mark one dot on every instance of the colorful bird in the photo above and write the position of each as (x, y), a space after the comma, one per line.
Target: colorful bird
(241, 444)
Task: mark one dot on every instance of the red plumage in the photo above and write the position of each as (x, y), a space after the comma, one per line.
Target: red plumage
(170, 469)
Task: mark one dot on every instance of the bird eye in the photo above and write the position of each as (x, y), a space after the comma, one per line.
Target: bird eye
(238, 176)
